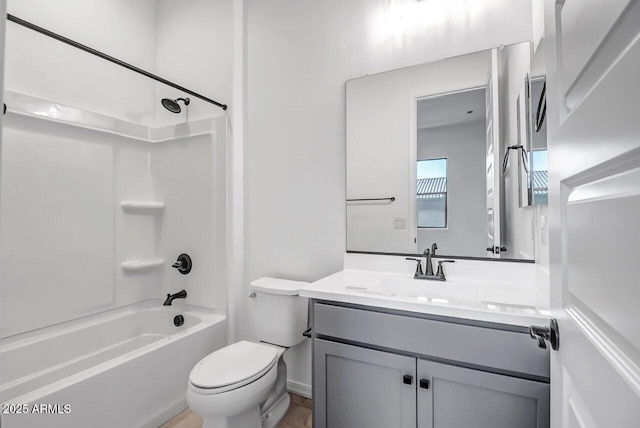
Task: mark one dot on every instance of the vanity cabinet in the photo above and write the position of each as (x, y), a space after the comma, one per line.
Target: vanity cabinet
(450, 396)
(364, 387)
(382, 369)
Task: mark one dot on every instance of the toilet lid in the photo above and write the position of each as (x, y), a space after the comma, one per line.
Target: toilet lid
(238, 363)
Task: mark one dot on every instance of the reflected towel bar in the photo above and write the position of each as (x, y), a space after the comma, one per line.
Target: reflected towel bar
(116, 61)
(390, 199)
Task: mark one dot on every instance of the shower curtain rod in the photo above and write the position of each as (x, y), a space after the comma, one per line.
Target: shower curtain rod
(102, 55)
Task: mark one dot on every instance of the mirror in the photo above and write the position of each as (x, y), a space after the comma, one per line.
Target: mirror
(535, 177)
(435, 153)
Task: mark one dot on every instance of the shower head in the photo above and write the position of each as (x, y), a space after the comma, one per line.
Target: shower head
(173, 106)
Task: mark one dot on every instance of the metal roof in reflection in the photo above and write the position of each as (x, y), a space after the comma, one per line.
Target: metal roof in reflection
(431, 187)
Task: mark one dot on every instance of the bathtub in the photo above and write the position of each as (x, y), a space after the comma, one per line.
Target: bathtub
(123, 368)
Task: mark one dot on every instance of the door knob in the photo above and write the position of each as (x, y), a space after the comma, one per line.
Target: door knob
(407, 379)
(424, 383)
(543, 334)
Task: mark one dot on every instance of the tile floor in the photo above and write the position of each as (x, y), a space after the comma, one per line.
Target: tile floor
(298, 416)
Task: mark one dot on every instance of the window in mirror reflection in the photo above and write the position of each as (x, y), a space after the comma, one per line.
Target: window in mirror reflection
(540, 177)
(432, 193)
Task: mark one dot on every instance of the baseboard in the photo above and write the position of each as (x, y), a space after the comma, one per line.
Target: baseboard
(167, 414)
(299, 388)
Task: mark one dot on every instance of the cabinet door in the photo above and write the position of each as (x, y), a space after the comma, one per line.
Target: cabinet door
(357, 387)
(450, 396)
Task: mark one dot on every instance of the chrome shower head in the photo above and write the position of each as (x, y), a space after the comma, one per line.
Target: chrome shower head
(173, 106)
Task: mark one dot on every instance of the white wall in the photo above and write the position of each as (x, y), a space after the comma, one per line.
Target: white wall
(194, 49)
(188, 42)
(43, 67)
(464, 147)
(299, 54)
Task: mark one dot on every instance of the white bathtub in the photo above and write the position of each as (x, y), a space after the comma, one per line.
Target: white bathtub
(123, 368)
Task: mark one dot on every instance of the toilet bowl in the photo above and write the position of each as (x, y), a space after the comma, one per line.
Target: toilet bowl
(243, 385)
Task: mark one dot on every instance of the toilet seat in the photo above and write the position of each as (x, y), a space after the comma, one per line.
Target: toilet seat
(233, 367)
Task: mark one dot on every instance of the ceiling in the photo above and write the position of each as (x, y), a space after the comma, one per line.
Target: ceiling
(450, 109)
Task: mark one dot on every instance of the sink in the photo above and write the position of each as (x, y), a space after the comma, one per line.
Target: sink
(432, 291)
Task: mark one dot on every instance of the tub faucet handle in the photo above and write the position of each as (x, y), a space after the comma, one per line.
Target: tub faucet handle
(183, 264)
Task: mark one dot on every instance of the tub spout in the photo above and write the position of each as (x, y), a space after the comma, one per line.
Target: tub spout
(182, 294)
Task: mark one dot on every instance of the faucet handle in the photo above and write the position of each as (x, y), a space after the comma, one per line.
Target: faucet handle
(418, 265)
(440, 271)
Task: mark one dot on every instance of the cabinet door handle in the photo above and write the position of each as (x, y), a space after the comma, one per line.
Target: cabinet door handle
(424, 383)
(407, 379)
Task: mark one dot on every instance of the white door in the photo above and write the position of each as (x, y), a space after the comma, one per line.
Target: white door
(3, 31)
(493, 158)
(593, 65)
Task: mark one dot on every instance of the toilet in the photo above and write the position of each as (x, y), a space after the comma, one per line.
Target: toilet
(244, 385)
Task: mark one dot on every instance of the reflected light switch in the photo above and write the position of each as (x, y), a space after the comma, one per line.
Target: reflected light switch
(399, 223)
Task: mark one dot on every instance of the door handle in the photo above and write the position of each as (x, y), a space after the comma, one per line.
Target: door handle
(424, 383)
(407, 379)
(543, 334)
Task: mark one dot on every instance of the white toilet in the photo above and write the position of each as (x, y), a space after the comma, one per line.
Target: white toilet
(244, 385)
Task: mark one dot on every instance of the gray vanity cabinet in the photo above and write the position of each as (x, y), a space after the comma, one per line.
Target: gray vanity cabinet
(381, 368)
(450, 396)
(361, 387)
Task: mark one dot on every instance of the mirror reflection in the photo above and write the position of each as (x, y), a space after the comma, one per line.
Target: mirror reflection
(537, 179)
(446, 153)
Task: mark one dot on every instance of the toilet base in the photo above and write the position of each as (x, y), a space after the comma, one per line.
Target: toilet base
(248, 419)
(275, 414)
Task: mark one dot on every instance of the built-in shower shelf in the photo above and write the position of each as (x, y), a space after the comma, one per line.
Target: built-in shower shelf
(142, 207)
(141, 265)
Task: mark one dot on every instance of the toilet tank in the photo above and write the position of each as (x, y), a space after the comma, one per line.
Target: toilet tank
(279, 313)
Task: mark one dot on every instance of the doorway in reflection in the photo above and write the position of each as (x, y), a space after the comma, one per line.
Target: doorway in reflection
(450, 172)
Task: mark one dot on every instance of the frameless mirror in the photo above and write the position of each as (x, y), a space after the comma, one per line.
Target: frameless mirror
(429, 158)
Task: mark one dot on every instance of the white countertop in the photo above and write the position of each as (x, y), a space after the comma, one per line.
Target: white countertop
(500, 292)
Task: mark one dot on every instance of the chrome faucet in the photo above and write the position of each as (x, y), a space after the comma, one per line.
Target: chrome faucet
(428, 273)
(182, 294)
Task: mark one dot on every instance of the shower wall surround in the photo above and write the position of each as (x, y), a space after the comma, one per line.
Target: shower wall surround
(83, 135)
(65, 173)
